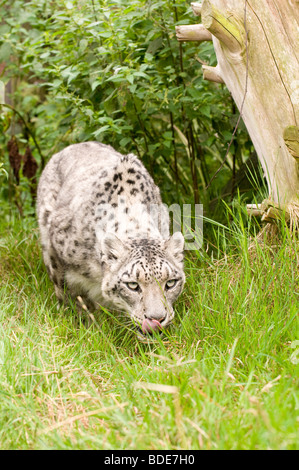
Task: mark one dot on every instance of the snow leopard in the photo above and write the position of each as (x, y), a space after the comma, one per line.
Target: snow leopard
(105, 235)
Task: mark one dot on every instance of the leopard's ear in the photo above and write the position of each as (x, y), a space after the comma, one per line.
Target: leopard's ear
(174, 246)
(112, 247)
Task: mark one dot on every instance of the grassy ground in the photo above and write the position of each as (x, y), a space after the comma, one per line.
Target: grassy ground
(224, 377)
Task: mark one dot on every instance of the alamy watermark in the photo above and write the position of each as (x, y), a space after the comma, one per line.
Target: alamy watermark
(152, 221)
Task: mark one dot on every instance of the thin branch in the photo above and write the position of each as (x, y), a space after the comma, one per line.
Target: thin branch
(174, 149)
(28, 130)
(192, 32)
(173, 171)
(94, 10)
(180, 45)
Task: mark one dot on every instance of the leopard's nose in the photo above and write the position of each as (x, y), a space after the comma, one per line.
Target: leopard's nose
(158, 318)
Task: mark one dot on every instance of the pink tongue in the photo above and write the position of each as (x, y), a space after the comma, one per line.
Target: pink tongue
(150, 325)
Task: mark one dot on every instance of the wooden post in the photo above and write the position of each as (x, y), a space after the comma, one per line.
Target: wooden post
(256, 44)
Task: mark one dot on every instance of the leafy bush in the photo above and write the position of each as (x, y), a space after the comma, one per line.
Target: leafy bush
(114, 72)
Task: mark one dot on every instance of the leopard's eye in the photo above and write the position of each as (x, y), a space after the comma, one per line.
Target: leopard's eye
(133, 285)
(171, 283)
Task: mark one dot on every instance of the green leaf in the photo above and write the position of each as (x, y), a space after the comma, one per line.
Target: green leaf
(227, 135)
(5, 52)
(124, 141)
(130, 78)
(100, 131)
(205, 110)
(83, 45)
(95, 84)
(154, 46)
(105, 34)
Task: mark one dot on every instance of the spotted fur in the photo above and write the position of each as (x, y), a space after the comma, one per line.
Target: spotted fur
(99, 234)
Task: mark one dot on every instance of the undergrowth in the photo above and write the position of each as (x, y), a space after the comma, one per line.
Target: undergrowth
(223, 376)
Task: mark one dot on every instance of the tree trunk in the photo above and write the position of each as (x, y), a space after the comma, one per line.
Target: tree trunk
(256, 44)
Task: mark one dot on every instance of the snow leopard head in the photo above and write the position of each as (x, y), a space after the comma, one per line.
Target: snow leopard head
(143, 277)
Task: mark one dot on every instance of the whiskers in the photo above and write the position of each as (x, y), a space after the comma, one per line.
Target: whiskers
(116, 322)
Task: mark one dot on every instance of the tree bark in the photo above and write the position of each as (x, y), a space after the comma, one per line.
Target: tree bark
(256, 44)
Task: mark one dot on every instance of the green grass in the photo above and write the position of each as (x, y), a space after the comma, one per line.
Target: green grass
(229, 358)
